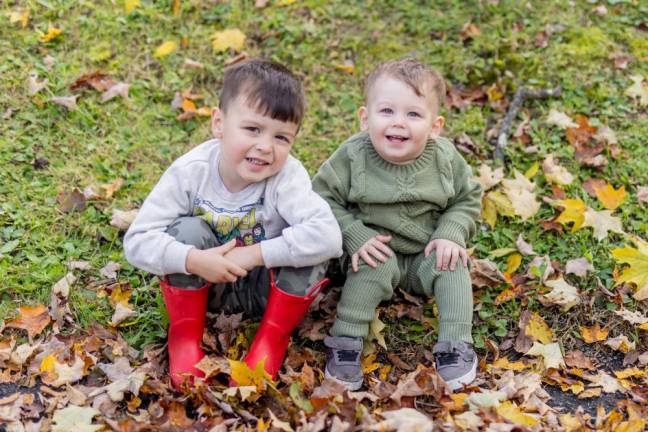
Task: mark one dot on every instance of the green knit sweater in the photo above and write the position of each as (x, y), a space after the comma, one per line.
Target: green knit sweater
(433, 197)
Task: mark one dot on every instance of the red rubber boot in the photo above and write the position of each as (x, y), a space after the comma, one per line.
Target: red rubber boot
(283, 313)
(187, 309)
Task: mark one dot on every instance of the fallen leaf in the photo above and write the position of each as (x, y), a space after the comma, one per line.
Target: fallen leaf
(193, 64)
(594, 333)
(131, 5)
(602, 222)
(621, 343)
(511, 412)
(610, 198)
(560, 119)
(66, 374)
(244, 376)
(484, 273)
(638, 90)
(485, 399)
(19, 16)
(69, 102)
(75, 418)
(122, 313)
(63, 285)
(562, 294)
(112, 187)
(642, 194)
(550, 353)
(573, 211)
(524, 247)
(635, 317)
(226, 39)
(347, 67)
(637, 260)
(165, 49)
(110, 270)
(71, 201)
(404, 419)
(34, 86)
(555, 173)
(52, 33)
(118, 89)
(520, 193)
(608, 383)
(34, 319)
(578, 360)
(579, 267)
(607, 135)
(96, 80)
(540, 267)
(375, 333)
(122, 219)
(591, 183)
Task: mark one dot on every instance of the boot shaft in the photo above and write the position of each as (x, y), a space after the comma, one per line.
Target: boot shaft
(183, 303)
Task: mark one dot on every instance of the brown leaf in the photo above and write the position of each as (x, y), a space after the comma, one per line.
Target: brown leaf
(119, 89)
(591, 184)
(122, 219)
(34, 86)
(112, 187)
(34, 319)
(71, 201)
(68, 102)
(642, 194)
(96, 80)
(423, 381)
(227, 325)
(541, 40)
(524, 247)
(484, 273)
(579, 267)
(396, 361)
(577, 359)
(110, 270)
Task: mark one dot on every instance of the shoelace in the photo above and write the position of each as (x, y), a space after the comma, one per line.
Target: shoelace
(347, 355)
(450, 358)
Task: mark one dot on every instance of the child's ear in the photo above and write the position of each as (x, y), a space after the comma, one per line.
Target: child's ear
(364, 118)
(437, 127)
(217, 123)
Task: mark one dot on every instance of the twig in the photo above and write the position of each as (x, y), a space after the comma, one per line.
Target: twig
(521, 95)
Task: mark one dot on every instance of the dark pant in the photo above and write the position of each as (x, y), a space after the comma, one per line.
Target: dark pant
(248, 294)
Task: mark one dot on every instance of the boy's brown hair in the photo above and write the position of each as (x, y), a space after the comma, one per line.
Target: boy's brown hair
(268, 87)
(423, 79)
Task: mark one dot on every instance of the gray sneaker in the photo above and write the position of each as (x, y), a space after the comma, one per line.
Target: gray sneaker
(456, 362)
(343, 360)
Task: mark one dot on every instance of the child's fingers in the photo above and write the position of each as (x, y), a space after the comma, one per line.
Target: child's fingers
(235, 269)
(374, 252)
(366, 258)
(382, 247)
(223, 249)
(354, 262)
(464, 257)
(453, 259)
(439, 257)
(429, 248)
(383, 238)
(445, 258)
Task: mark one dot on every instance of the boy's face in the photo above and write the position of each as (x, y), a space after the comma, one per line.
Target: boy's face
(398, 120)
(253, 146)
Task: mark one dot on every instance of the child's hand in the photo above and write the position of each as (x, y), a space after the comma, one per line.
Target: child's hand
(447, 254)
(213, 266)
(375, 247)
(246, 257)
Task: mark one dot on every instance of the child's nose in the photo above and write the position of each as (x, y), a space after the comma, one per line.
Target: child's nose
(263, 145)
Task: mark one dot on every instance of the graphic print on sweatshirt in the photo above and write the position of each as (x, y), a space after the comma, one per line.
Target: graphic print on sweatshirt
(245, 224)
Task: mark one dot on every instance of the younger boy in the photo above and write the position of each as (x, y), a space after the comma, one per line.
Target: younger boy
(229, 210)
(406, 204)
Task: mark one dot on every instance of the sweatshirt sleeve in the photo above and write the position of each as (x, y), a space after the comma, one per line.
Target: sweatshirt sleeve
(458, 222)
(333, 182)
(312, 235)
(146, 244)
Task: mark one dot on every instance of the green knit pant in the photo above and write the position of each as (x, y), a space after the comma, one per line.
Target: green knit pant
(364, 290)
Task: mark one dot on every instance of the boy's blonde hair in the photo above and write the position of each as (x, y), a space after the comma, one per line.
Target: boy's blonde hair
(423, 79)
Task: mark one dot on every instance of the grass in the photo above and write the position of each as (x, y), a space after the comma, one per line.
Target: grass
(136, 140)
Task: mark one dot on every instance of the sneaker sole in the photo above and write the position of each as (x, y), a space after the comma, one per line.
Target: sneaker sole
(459, 382)
(351, 385)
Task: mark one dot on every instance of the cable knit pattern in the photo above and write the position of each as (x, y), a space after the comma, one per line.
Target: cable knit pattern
(432, 197)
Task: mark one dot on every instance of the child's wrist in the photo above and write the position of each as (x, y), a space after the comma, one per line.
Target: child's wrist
(192, 262)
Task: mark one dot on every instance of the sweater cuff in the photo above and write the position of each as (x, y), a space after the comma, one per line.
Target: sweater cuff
(175, 258)
(276, 253)
(451, 231)
(355, 235)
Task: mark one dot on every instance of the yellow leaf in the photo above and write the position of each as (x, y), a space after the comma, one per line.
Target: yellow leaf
(346, 67)
(19, 16)
(520, 193)
(47, 364)
(513, 262)
(636, 425)
(555, 173)
(175, 7)
(594, 334)
(504, 363)
(637, 259)
(538, 329)
(369, 363)
(562, 294)
(384, 372)
(375, 328)
(643, 327)
(244, 376)
(489, 212)
(610, 198)
(501, 203)
(574, 211)
(629, 372)
(511, 412)
(532, 171)
(131, 5)
(602, 222)
(165, 49)
(120, 296)
(52, 33)
(188, 105)
(226, 39)
(550, 353)
(204, 111)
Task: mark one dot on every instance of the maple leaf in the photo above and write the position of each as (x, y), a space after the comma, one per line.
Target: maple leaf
(405, 419)
(594, 333)
(66, 374)
(520, 193)
(494, 203)
(621, 343)
(511, 412)
(560, 119)
(635, 317)
(550, 353)
(608, 383)
(226, 39)
(602, 222)
(555, 173)
(610, 198)
(63, 285)
(638, 90)
(122, 313)
(75, 418)
(34, 319)
(165, 49)
(573, 211)
(118, 89)
(562, 294)
(637, 272)
(244, 376)
(52, 33)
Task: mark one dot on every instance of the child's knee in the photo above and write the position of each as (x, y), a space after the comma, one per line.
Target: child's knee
(192, 231)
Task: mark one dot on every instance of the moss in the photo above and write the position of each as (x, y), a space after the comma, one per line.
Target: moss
(586, 44)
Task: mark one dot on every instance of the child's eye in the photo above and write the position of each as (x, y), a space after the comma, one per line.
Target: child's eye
(251, 129)
(386, 111)
(413, 114)
(282, 138)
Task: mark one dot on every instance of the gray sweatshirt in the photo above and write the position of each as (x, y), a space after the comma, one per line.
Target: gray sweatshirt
(294, 226)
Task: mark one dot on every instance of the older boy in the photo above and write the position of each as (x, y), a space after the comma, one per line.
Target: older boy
(240, 189)
(406, 204)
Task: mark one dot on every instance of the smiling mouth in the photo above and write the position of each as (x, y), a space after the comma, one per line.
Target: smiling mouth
(255, 161)
(396, 139)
